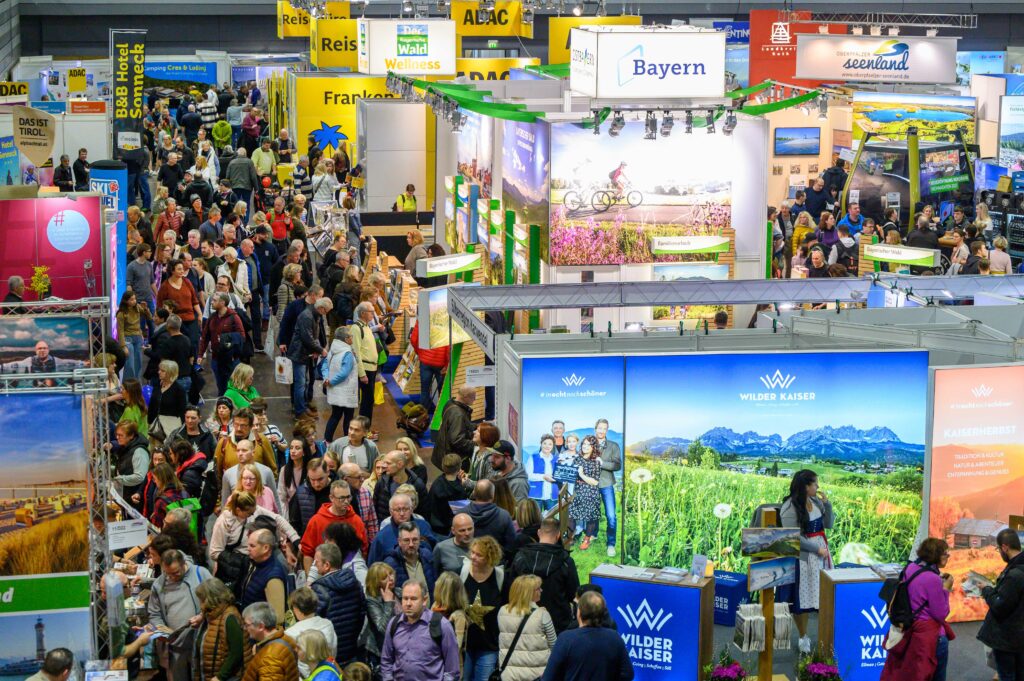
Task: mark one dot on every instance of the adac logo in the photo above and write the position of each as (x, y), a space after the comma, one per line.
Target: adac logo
(981, 391)
(777, 380)
(644, 614)
(892, 48)
(875, 617)
(573, 381)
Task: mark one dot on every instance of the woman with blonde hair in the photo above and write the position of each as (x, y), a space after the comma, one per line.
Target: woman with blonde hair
(407, 446)
(291, 276)
(325, 185)
(525, 661)
(483, 576)
(450, 602)
(232, 526)
(380, 467)
(381, 606)
(317, 655)
(240, 390)
(983, 221)
(237, 271)
(803, 226)
(999, 260)
(219, 650)
(240, 209)
(250, 480)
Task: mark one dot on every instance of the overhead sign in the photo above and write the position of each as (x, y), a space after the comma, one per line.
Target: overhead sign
(622, 63)
(76, 80)
(406, 47)
(773, 44)
(736, 32)
(661, 245)
(296, 23)
(903, 255)
(447, 264)
(559, 32)
(877, 59)
(332, 43)
(34, 132)
(325, 107)
(506, 19)
(128, 61)
(491, 69)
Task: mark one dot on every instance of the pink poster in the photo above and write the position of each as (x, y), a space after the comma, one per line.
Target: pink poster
(63, 234)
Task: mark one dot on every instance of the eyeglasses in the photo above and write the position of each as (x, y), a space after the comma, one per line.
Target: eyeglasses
(344, 498)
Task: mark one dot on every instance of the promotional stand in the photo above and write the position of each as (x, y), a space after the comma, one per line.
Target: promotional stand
(664, 619)
(853, 621)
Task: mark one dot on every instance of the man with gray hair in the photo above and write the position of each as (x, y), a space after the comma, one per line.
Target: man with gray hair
(421, 643)
(364, 346)
(223, 334)
(270, 662)
(307, 344)
(15, 294)
(342, 387)
(341, 600)
(242, 174)
(300, 175)
(212, 229)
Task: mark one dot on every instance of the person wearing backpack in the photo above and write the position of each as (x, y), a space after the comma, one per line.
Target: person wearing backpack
(844, 251)
(809, 509)
(1003, 628)
(419, 644)
(917, 610)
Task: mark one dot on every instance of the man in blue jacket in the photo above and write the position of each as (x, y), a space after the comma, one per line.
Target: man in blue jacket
(308, 341)
(854, 220)
(341, 601)
(411, 560)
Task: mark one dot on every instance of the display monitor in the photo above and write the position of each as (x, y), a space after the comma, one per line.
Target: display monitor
(797, 141)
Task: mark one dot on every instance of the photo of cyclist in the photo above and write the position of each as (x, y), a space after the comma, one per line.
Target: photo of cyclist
(619, 179)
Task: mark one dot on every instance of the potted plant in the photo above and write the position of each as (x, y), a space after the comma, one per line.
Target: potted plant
(40, 281)
(725, 669)
(818, 666)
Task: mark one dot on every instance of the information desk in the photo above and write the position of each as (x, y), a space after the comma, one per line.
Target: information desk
(666, 625)
(853, 622)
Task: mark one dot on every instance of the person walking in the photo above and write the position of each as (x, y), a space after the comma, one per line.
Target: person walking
(316, 655)
(526, 632)
(484, 579)
(219, 651)
(455, 435)
(548, 560)
(341, 382)
(275, 655)
(417, 647)
(364, 345)
(1003, 628)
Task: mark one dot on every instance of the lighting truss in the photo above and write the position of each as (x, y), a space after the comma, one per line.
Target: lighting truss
(954, 21)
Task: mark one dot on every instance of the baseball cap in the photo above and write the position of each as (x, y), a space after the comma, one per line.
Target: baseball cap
(505, 447)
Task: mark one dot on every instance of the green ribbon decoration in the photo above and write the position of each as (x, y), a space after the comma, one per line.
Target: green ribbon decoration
(762, 109)
(470, 98)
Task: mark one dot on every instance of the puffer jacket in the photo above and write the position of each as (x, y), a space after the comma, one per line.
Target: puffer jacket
(533, 648)
(276, 659)
(211, 644)
(397, 562)
(456, 433)
(341, 601)
(559, 579)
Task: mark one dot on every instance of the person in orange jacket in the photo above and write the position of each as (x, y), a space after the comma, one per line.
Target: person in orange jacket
(433, 364)
(337, 510)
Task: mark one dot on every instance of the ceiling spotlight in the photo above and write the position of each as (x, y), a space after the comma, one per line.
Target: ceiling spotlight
(407, 6)
(666, 124)
(458, 122)
(894, 30)
(875, 30)
(483, 16)
(527, 15)
(730, 123)
(822, 108)
(857, 30)
(597, 122)
(689, 122)
(577, 9)
(650, 126)
(487, 5)
(618, 123)
(932, 32)
(602, 11)
(711, 122)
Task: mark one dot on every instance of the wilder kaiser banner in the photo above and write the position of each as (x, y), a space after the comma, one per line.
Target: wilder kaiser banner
(128, 60)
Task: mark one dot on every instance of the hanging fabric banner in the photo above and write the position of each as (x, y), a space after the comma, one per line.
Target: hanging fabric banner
(34, 132)
(128, 61)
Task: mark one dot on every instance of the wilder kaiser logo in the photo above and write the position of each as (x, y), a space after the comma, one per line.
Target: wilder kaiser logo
(875, 617)
(981, 391)
(644, 614)
(777, 380)
(573, 381)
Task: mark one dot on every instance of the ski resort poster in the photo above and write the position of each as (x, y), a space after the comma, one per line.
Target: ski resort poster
(976, 480)
(709, 437)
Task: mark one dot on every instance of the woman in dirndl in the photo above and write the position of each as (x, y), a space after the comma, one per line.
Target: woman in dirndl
(809, 509)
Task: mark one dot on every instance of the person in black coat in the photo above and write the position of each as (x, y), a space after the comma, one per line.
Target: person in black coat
(341, 601)
(190, 465)
(1003, 628)
(549, 560)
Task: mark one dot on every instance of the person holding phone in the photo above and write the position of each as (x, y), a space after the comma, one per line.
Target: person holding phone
(806, 507)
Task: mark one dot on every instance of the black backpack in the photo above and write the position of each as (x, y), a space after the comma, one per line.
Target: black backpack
(435, 629)
(209, 492)
(896, 594)
(846, 256)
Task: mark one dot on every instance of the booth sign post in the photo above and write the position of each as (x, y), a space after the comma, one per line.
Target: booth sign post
(769, 518)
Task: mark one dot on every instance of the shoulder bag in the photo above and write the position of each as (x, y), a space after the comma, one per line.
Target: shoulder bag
(496, 674)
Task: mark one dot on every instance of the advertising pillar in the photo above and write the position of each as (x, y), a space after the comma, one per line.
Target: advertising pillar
(110, 179)
(128, 62)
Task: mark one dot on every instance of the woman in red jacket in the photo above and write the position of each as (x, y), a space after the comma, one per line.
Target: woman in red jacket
(433, 364)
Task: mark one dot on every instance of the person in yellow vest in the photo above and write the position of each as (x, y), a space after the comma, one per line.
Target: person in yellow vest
(406, 201)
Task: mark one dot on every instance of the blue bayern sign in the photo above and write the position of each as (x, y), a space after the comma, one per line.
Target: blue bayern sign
(659, 625)
(861, 622)
(736, 32)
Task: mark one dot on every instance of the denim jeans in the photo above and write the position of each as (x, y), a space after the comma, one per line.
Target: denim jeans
(143, 186)
(429, 377)
(941, 658)
(186, 384)
(1009, 666)
(133, 365)
(244, 195)
(191, 329)
(266, 301)
(299, 404)
(236, 132)
(608, 497)
(479, 665)
(222, 372)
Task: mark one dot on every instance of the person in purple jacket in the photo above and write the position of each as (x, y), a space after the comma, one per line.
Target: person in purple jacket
(414, 649)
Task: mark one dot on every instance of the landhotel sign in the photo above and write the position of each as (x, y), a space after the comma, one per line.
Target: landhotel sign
(876, 59)
(631, 62)
(902, 255)
(663, 245)
(447, 264)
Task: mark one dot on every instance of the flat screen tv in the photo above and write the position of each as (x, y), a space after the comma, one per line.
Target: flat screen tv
(797, 141)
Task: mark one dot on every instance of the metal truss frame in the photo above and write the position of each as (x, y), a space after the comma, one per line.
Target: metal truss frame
(956, 21)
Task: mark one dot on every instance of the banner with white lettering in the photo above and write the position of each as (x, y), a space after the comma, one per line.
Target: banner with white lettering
(128, 61)
(34, 132)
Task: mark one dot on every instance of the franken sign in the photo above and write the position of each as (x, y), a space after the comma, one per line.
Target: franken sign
(334, 98)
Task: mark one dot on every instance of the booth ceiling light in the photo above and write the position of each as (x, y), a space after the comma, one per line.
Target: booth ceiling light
(483, 15)
(577, 10)
(951, 21)
(597, 122)
(689, 122)
(650, 126)
(822, 28)
(822, 108)
(932, 32)
(458, 122)
(602, 11)
(527, 15)
(857, 30)
(894, 30)
(876, 30)
(666, 124)
(710, 118)
(618, 123)
(487, 5)
(730, 123)
(407, 6)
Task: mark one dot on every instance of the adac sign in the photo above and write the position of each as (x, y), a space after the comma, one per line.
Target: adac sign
(506, 19)
(491, 69)
(333, 43)
(296, 23)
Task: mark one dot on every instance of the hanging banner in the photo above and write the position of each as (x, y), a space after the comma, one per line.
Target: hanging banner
(10, 172)
(736, 32)
(407, 47)
(295, 23)
(876, 59)
(326, 107)
(110, 180)
(506, 19)
(491, 69)
(332, 44)
(128, 61)
(76, 80)
(773, 44)
(34, 132)
(560, 27)
(668, 63)
(14, 89)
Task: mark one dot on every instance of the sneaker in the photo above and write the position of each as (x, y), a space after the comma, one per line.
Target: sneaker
(611, 551)
(805, 644)
(585, 544)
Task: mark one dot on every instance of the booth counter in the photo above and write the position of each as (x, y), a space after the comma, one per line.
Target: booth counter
(853, 622)
(666, 625)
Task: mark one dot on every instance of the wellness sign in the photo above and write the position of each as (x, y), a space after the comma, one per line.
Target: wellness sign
(876, 59)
